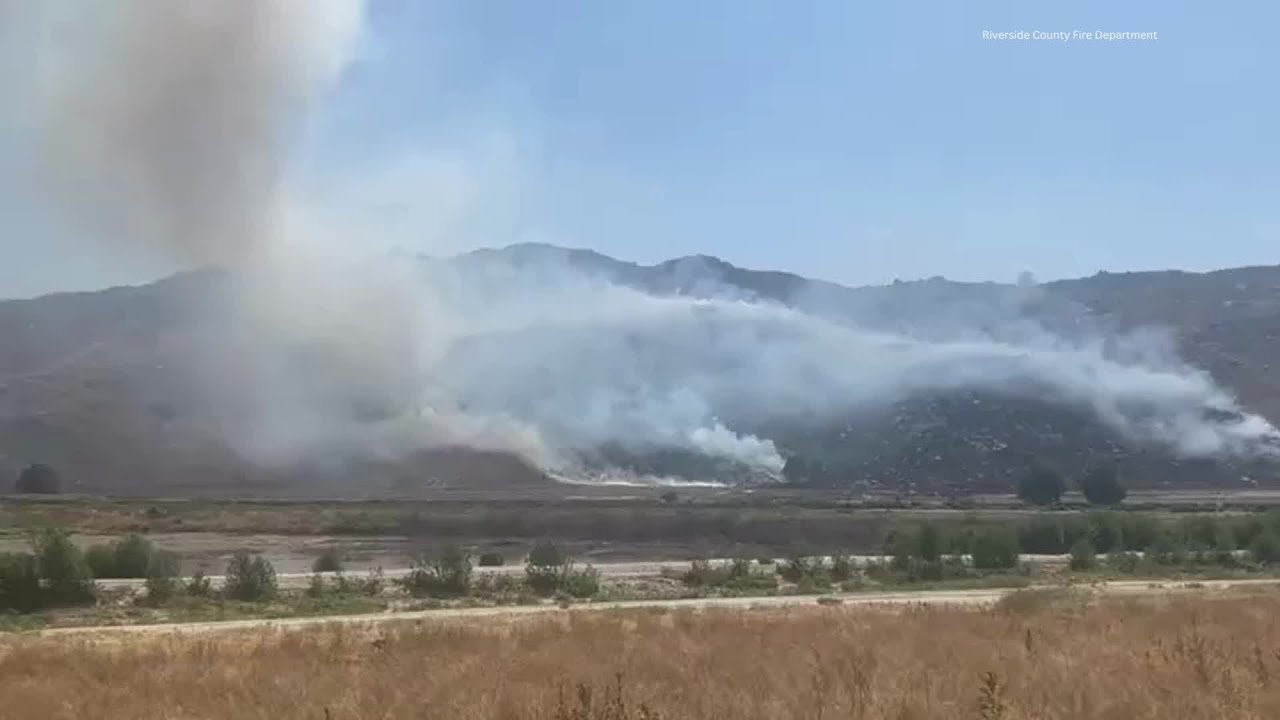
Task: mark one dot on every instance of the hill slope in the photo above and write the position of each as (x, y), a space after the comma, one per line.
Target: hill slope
(113, 387)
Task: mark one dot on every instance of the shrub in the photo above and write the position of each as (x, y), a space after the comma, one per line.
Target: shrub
(316, 587)
(545, 569)
(702, 574)
(929, 543)
(1043, 534)
(737, 574)
(63, 568)
(133, 556)
(1123, 562)
(329, 561)
(1224, 547)
(491, 559)
(448, 574)
(842, 568)
(19, 583)
(581, 584)
(372, 583)
(199, 585)
(1041, 485)
(101, 560)
(547, 554)
(1083, 556)
(1165, 550)
(250, 578)
(995, 549)
(1106, 532)
(129, 557)
(806, 571)
(162, 577)
(38, 479)
(1265, 548)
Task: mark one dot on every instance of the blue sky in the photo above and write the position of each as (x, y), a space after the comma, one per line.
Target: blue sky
(858, 142)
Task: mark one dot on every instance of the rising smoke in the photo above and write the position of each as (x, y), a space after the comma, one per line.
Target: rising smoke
(167, 125)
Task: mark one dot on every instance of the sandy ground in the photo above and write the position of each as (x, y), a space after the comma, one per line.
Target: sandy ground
(973, 598)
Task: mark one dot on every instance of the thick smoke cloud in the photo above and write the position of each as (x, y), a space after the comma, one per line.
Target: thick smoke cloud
(591, 363)
(167, 126)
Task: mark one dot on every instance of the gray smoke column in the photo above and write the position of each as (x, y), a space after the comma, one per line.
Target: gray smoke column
(165, 127)
(165, 123)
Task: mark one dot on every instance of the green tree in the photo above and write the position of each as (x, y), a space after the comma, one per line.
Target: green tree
(995, 549)
(547, 568)
(929, 543)
(63, 568)
(1083, 556)
(133, 556)
(162, 576)
(1101, 486)
(1225, 546)
(1265, 548)
(250, 578)
(329, 561)
(1106, 531)
(19, 583)
(447, 574)
(1041, 485)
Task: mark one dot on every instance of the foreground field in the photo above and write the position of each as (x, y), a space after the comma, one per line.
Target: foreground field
(1035, 655)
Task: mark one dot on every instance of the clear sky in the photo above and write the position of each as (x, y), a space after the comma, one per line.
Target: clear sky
(854, 141)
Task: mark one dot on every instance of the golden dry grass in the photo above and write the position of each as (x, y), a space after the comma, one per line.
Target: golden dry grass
(1170, 659)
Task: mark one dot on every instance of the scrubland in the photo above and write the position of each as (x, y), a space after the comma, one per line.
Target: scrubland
(1039, 654)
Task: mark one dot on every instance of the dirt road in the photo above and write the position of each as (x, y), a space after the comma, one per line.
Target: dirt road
(933, 597)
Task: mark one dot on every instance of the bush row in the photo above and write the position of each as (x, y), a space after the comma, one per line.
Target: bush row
(57, 573)
(548, 571)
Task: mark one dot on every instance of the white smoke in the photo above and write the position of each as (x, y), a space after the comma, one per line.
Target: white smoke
(591, 363)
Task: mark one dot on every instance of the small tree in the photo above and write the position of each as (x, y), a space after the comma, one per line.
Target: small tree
(162, 577)
(995, 549)
(39, 479)
(1224, 546)
(63, 568)
(1041, 485)
(842, 568)
(584, 583)
(448, 574)
(1101, 486)
(250, 578)
(102, 561)
(546, 567)
(19, 583)
(330, 561)
(929, 543)
(199, 585)
(1265, 548)
(1083, 556)
(133, 557)
(491, 559)
(1106, 532)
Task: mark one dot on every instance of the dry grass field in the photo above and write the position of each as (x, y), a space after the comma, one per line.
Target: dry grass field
(1034, 656)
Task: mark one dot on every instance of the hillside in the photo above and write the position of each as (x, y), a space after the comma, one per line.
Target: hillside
(113, 386)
